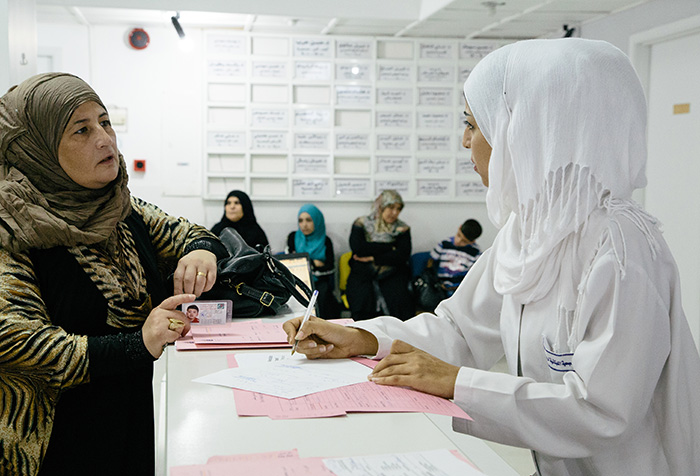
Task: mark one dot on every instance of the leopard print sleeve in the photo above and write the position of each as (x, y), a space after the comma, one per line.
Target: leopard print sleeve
(173, 237)
(37, 360)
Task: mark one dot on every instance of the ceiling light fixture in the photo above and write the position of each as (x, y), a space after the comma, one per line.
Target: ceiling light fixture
(176, 24)
(568, 32)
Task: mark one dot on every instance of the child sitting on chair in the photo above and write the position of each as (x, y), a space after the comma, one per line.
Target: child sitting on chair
(452, 258)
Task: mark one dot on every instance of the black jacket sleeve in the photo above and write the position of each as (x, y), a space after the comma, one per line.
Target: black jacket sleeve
(390, 254)
(329, 261)
(400, 252)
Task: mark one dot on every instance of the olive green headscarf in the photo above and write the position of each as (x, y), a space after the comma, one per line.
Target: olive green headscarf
(40, 205)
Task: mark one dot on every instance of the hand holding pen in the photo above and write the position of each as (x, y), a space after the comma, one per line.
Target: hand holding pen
(309, 309)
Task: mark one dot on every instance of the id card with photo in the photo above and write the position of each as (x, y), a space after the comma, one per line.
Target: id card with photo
(208, 312)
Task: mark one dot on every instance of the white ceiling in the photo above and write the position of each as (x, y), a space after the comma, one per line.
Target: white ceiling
(480, 19)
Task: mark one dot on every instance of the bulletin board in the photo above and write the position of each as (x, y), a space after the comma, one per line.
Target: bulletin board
(324, 118)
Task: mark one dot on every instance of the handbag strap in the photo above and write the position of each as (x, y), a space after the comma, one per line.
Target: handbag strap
(263, 297)
(288, 279)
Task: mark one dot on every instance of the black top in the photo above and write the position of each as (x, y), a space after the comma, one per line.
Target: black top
(395, 254)
(112, 416)
(247, 226)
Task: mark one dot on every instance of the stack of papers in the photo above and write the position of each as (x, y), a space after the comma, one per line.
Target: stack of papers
(238, 335)
(288, 463)
(234, 335)
(290, 377)
(303, 397)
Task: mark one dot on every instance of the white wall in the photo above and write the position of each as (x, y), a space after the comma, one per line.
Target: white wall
(4, 47)
(161, 88)
(674, 150)
(673, 147)
(618, 28)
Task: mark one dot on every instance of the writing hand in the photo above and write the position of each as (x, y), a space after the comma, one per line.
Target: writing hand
(408, 366)
(320, 339)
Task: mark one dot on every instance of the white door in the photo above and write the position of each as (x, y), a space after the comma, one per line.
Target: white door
(673, 170)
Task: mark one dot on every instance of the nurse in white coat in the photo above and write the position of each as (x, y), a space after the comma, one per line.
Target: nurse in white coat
(579, 291)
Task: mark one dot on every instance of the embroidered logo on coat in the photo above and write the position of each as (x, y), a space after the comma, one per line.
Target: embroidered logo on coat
(555, 361)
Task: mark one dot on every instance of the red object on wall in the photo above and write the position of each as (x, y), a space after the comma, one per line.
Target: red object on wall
(140, 165)
(139, 39)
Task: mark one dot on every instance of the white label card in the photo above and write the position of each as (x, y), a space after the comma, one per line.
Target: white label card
(433, 165)
(435, 120)
(431, 142)
(311, 164)
(268, 117)
(393, 141)
(352, 72)
(312, 48)
(226, 69)
(433, 188)
(226, 45)
(391, 164)
(471, 189)
(352, 188)
(268, 140)
(310, 188)
(435, 97)
(312, 117)
(393, 119)
(400, 186)
(354, 95)
(394, 72)
(347, 141)
(269, 69)
(312, 70)
(353, 49)
(474, 51)
(226, 139)
(436, 50)
(311, 140)
(438, 74)
(396, 96)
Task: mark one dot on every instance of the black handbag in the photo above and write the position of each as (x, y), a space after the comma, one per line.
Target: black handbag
(255, 282)
(428, 290)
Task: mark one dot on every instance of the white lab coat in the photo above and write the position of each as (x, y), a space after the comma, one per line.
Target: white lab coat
(613, 390)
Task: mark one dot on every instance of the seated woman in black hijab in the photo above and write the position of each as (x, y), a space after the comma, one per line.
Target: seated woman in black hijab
(239, 215)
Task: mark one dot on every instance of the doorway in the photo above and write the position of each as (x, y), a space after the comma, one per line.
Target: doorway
(669, 64)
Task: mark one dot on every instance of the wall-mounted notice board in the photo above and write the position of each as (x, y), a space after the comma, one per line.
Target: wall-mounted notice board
(336, 118)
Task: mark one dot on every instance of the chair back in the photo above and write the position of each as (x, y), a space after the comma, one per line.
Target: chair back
(344, 270)
(418, 262)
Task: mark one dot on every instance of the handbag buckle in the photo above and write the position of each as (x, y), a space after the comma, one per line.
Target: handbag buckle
(238, 286)
(266, 299)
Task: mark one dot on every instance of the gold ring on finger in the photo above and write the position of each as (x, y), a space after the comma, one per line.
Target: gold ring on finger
(200, 273)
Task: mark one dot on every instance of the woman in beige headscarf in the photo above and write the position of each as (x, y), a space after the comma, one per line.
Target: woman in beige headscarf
(84, 308)
(579, 292)
(379, 273)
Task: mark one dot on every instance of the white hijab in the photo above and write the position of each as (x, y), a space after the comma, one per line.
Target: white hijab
(566, 120)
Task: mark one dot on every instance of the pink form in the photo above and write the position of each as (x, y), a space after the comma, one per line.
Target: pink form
(238, 335)
(363, 397)
(240, 332)
(262, 467)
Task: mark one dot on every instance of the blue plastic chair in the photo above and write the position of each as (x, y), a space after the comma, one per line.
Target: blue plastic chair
(418, 262)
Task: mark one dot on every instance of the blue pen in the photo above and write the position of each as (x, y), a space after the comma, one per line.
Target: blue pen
(309, 308)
